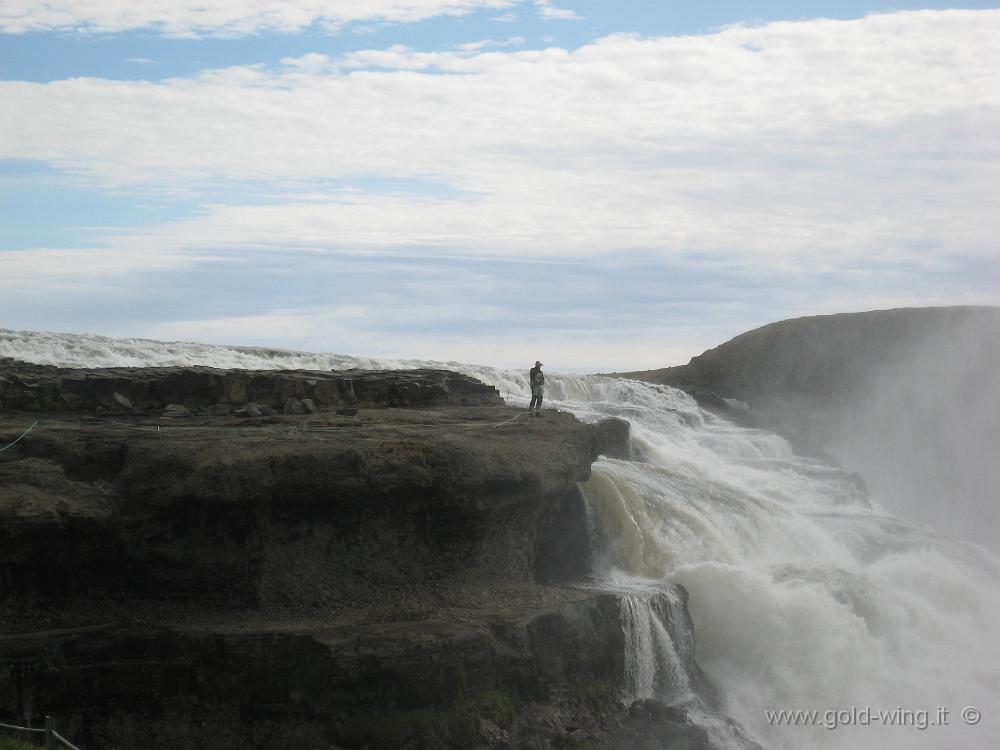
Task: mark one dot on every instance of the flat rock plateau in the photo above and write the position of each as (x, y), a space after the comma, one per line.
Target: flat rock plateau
(192, 557)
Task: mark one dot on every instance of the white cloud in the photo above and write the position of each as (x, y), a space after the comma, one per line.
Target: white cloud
(809, 146)
(312, 62)
(550, 12)
(512, 41)
(186, 18)
(59, 270)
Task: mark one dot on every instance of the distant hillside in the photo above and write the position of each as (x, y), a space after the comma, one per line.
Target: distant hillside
(825, 357)
(910, 398)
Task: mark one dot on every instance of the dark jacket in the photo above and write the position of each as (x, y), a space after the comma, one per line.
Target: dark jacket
(536, 376)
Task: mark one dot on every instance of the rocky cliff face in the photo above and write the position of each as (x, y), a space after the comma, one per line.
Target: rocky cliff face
(178, 569)
(208, 390)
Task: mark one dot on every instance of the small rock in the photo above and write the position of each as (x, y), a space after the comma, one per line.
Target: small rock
(310, 405)
(294, 406)
(650, 708)
(492, 734)
(121, 402)
(176, 410)
(248, 410)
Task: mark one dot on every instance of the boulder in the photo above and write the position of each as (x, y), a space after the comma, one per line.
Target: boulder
(121, 402)
(248, 410)
(176, 410)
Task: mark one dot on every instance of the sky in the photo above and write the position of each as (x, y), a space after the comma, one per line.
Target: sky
(606, 186)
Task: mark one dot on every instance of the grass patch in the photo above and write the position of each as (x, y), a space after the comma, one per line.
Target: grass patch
(9, 743)
(456, 727)
(494, 705)
(595, 694)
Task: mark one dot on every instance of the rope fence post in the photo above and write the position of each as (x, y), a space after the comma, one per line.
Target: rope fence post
(51, 743)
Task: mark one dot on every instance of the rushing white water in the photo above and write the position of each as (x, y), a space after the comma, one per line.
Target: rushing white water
(654, 664)
(803, 596)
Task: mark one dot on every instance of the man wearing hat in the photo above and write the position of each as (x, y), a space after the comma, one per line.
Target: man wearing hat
(537, 381)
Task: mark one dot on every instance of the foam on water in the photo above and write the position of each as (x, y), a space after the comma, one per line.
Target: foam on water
(803, 595)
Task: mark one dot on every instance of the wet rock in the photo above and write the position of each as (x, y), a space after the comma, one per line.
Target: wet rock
(650, 708)
(654, 724)
(310, 405)
(613, 438)
(492, 735)
(176, 410)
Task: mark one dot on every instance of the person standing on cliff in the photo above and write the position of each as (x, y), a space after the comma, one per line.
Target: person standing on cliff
(537, 381)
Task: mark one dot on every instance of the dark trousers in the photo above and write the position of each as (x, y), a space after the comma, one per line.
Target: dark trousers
(536, 400)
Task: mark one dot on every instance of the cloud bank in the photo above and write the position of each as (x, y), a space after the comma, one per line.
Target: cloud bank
(789, 141)
(852, 159)
(220, 17)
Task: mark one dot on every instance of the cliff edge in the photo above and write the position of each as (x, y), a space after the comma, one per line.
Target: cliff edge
(196, 558)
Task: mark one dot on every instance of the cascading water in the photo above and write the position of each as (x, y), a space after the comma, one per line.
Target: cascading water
(654, 665)
(804, 596)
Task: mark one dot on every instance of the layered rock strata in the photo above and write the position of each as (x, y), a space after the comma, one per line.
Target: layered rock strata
(404, 575)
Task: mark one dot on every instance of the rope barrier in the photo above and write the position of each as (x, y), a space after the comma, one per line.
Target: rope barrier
(11, 445)
(425, 424)
(63, 740)
(21, 729)
(49, 731)
(498, 424)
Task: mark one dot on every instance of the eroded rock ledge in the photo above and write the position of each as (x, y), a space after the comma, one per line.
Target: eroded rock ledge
(152, 390)
(400, 577)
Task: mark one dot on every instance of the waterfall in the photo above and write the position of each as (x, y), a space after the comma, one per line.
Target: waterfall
(805, 594)
(654, 667)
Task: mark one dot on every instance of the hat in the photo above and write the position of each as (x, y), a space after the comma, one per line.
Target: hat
(538, 364)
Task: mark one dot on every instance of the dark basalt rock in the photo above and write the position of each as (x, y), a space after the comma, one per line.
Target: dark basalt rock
(653, 724)
(819, 358)
(292, 510)
(525, 676)
(150, 390)
(613, 439)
